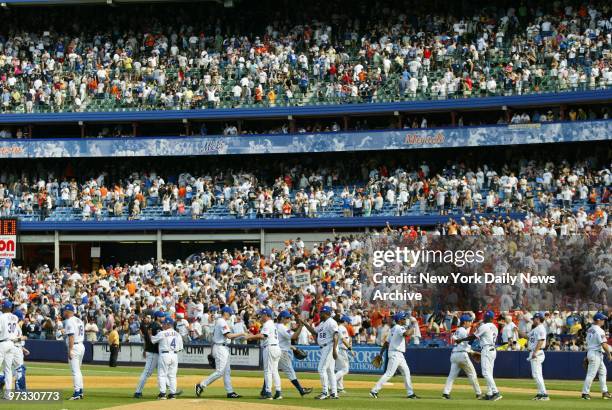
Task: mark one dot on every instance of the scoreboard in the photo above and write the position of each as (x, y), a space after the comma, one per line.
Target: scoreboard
(8, 237)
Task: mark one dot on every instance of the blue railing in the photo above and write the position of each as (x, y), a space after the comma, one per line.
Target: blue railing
(120, 114)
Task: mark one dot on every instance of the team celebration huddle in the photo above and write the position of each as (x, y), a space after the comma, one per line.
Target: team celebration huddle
(472, 340)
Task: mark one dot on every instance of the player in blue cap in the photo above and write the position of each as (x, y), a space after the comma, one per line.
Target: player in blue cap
(487, 335)
(326, 334)
(170, 343)
(222, 336)
(271, 354)
(6, 345)
(596, 344)
(285, 337)
(396, 359)
(460, 358)
(344, 347)
(536, 343)
(74, 332)
(13, 359)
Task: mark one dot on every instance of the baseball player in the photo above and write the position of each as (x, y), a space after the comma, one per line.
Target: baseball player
(396, 348)
(149, 328)
(271, 354)
(285, 337)
(221, 338)
(537, 342)
(74, 334)
(326, 334)
(487, 335)
(19, 369)
(460, 359)
(596, 347)
(344, 347)
(169, 342)
(7, 346)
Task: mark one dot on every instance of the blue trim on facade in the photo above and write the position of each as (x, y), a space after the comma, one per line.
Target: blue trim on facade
(245, 224)
(313, 110)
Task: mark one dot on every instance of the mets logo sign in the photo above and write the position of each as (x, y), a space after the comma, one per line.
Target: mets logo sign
(415, 139)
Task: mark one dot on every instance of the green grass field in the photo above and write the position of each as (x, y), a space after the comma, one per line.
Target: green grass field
(121, 382)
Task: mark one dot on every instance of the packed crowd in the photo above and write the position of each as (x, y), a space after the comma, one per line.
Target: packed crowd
(361, 189)
(150, 58)
(295, 275)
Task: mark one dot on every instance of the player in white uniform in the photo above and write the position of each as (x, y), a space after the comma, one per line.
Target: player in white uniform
(7, 346)
(396, 349)
(537, 342)
(326, 334)
(344, 347)
(596, 347)
(19, 369)
(221, 338)
(74, 332)
(460, 359)
(271, 354)
(170, 343)
(487, 335)
(285, 337)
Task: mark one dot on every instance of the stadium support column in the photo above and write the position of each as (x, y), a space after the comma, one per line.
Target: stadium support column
(262, 241)
(159, 245)
(56, 250)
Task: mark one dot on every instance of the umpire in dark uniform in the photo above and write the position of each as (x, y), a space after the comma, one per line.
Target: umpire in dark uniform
(149, 327)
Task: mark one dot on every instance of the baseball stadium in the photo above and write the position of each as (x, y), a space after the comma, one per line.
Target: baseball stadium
(287, 204)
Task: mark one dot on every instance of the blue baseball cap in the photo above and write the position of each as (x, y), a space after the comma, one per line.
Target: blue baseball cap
(489, 314)
(213, 308)
(7, 304)
(69, 308)
(265, 311)
(599, 316)
(466, 318)
(227, 309)
(345, 319)
(538, 315)
(399, 316)
(284, 314)
(168, 321)
(159, 313)
(19, 314)
(326, 309)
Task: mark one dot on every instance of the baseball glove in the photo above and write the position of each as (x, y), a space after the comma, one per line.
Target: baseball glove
(475, 357)
(377, 361)
(211, 361)
(299, 354)
(585, 363)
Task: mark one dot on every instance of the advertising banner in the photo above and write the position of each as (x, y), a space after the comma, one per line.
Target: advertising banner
(479, 136)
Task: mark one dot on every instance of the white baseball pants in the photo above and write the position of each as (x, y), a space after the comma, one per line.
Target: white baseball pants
(7, 349)
(78, 350)
(326, 370)
(487, 361)
(461, 361)
(271, 358)
(151, 363)
(536, 371)
(166, 372)
(221, 354)
(285, 364)
(342, 367)
(396, 360)
(597, 367)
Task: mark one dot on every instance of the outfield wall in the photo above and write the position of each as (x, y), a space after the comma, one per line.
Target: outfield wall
(426, 361)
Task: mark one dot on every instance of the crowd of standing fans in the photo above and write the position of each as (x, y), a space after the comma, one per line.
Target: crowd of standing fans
(115, 298)
(198, 56)
(367, 189)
